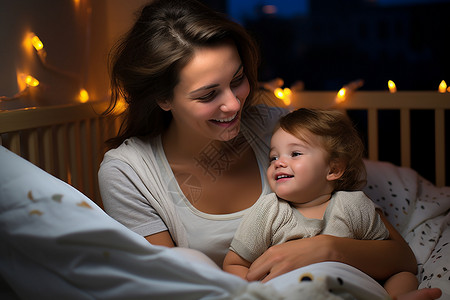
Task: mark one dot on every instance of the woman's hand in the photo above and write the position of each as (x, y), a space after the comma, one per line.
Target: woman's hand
(280, 259)
(379, 259)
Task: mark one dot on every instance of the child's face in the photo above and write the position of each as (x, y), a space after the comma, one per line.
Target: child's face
(298, 170)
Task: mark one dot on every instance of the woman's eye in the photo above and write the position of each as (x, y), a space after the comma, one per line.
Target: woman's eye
(207, 97)
(238, 80)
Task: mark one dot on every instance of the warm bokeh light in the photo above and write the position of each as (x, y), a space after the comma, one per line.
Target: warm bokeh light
(31, 81)
(36, 42)
(76, 3)
(284, 95)
(33, 41)
(278, 92)
(392, 86)
(121, 106)
(341, 95)
(83, 96)
(442, 87)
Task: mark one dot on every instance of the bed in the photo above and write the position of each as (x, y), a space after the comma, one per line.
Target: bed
(57, 242)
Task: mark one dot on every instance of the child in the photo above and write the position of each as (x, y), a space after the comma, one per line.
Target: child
(316, 168)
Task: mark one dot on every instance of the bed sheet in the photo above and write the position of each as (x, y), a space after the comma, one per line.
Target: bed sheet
(420, 212)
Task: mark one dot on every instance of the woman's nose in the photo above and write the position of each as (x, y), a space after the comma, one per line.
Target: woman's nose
(230, 102)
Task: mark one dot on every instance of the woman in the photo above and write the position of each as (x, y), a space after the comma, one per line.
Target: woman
(191, 155)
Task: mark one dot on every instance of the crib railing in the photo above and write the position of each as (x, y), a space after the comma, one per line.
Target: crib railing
(405, 102)
(66, 141)
(69, 141)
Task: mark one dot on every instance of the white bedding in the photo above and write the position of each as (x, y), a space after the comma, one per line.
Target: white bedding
(420, 212)
(57, 244)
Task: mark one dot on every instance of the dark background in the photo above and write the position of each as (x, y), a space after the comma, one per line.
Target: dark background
(338, 41)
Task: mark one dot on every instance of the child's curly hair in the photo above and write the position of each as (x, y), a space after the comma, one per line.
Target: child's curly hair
(338, 137)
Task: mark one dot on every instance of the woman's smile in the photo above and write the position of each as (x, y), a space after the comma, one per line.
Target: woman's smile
(226, 122)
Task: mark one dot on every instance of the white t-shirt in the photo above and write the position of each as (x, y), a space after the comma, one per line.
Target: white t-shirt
(208, 233)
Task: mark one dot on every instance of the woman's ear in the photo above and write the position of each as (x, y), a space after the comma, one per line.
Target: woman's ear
(164, 104)
(337, 168)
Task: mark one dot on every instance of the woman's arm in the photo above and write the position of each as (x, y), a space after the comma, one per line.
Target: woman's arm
(379, 259)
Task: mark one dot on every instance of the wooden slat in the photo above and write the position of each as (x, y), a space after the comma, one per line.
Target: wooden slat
(88, 162)
(48, 154)
(405, 137)
(62, 149)
(372, 119)
(14, 142)
(439, 120)
(32, 145)
(75, 155)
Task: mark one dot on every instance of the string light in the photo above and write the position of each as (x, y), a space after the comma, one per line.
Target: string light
(38, 46)
(442, 87)
(341, 95)
(36, 42)
(28, 82)
(284, 95)
(392, 87)
(31, 81)
(347, 89)
(83, 96)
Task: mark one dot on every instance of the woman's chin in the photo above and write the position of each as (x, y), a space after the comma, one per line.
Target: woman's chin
(229, 134)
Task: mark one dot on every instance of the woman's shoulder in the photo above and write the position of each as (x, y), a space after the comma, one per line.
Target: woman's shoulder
(133, 147)
(261, 114)
(260, 120)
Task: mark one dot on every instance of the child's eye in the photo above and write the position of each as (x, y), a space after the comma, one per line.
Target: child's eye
(273, 158)
(296, 153)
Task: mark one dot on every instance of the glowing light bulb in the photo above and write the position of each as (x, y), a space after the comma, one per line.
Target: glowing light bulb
(442, 87)
(83, 96)
(341, 95)
(284, 95)
(278, 92)
(36, 42)
(392, 87)
(31, 81)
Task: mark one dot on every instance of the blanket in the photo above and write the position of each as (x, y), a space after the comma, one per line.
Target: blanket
(420, 212)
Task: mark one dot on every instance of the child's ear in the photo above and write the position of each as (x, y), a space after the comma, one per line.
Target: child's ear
(164, 104)
(337, 168)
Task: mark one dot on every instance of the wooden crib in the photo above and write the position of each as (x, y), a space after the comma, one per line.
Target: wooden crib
(68, 141)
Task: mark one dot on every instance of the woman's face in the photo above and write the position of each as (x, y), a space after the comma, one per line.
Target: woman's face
(209, 97)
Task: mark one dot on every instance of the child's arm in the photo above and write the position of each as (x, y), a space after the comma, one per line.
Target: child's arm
(236, 265)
